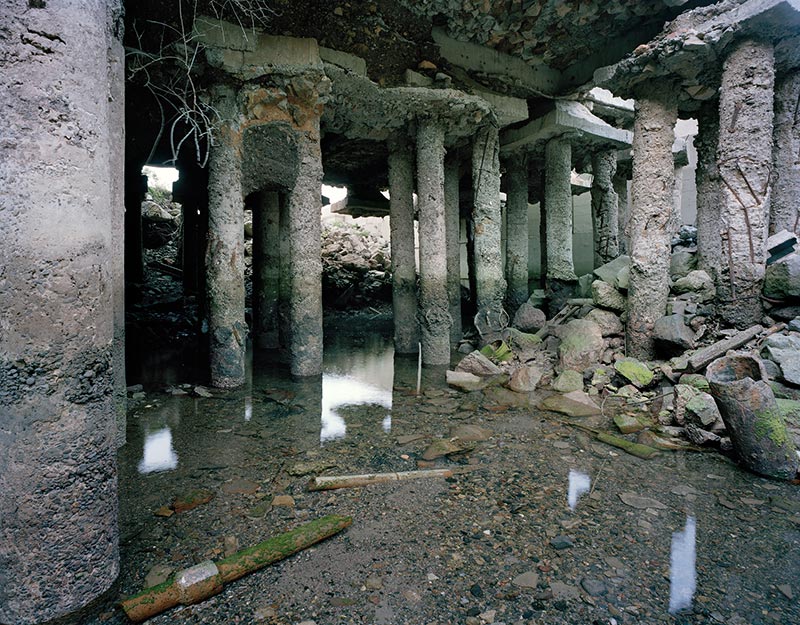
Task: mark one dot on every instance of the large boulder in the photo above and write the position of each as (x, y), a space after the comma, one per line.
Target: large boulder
(672, 334)
(606, 296)
(697, 282)
(528, 318)
(782, 279)
(610, 324)
(784, 349)
(581, 344)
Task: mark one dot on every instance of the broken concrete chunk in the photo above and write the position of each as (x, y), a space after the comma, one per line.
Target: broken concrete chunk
(466, 381)
(529, 318)
(477, 364)
(568, 381)
(682, 262)
(525, 378)
(609, 272)
(698, 436)
(636, 372)
(610, 324)
(784, 349)
(581, 344)
(702, 410)
(628, 424)
(441, 447)
(698, 282)
(672, 334)
(574, 404)
(782, 278)
(606, 296)
(683, 394)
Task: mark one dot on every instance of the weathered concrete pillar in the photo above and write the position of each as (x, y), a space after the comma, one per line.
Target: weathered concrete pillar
(785, 199)
(225, 251)
(404, 264)
(490, 283)
(621, 189)
(58, 471)
(709, 242)
(305, 240)
(434, 314)
(516, 232)
(452, 174)
(116, 104)
(560, 278)
(745, 163)
(605, 207)
(266, 270)
(650, 215)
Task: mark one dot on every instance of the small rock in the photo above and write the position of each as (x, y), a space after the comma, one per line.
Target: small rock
(636, 372)
(525, 378)
(698, 282)
(568, 381)
(628, 424)
(561, 542)
(202, 391)
(441, 447)
(609, 272)
(158, 574)
(610, 324)
(529, 579)
(477, 364)
(562, 591)
(465, 381)
(641, 503)
(574, 404)
(240, 487)
(373, 582)
(786, 590)
(468, 432)
(283, 500)
(702, 410)
(581, 344)
(606, 296)
(673, 335)
(593, 586)
(230, 545)
(528, 318)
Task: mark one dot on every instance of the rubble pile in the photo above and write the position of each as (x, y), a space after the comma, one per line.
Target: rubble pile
(575, 365)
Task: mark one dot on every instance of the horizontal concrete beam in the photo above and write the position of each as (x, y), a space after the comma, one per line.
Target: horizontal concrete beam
(517, 74)
(567, 117)
(346, 61)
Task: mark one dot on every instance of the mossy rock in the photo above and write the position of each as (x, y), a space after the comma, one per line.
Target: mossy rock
(636, 372)
(696, 380)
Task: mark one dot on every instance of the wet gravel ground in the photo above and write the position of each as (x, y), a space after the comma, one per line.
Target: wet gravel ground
(496, 543)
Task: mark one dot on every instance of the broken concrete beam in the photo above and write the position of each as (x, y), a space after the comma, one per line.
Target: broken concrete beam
(703, 357)
(567, 116)
(349, 62)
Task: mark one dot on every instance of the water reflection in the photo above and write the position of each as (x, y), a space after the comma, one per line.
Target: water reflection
(579, 484)
(682, 574)
(159, 455)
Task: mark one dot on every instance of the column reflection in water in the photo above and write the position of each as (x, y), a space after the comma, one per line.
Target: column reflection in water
(356, 375)
(158, 452)
(579, 484)
(682, 573)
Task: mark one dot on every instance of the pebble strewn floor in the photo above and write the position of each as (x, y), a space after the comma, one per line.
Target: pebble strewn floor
(496, 543)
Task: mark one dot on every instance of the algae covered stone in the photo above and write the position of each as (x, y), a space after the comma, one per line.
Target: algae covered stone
(635, 371)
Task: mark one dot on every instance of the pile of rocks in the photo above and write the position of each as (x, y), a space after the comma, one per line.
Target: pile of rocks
(161, 222)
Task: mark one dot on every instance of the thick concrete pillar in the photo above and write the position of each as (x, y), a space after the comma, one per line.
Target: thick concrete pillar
(709, 242)
(225, 250)
(266, 270)
(434, 313)
(516, 232)
(452, 174)
(303, 207)
(605, 207)
(560, 278)
(58, 472)
(785, 199)
(116, 105)
(650, 215)
(745, 163)
(623, 211)
(404, 264)
(490, 283)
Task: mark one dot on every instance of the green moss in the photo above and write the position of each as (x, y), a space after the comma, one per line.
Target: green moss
(769, 423)
(636, 372)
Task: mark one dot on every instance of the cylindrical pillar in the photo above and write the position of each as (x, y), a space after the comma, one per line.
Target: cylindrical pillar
(404, 264)
(785, 200)
(434, 314)
(58, 470)
(745, 166)
(452, 174)
(560, 278)
(266, 270)
(623, 210)
(650, 214)
(490, 283)
(709, 242)
(516, 232)
(225, 250)
(605, 207)
(305, 258)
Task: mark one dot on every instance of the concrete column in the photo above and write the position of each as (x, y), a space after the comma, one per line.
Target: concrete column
(284, 274)
(404, 264)
(709, 243)
(650, 214)
(58, 472)
(785, 199)
(516, 232)
(191, 192)
(434, 313)
(623, 211)
(452, 174)
(605, 207)
(266, 270)
(116, 105)
(745, 163)
(225, 251)
(303, 207)
(490, 283)
(560, 278)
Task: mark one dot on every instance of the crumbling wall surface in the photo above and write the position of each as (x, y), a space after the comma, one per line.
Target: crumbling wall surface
(785, 200)
(58, 475)
(745, 163)
(650, 214)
